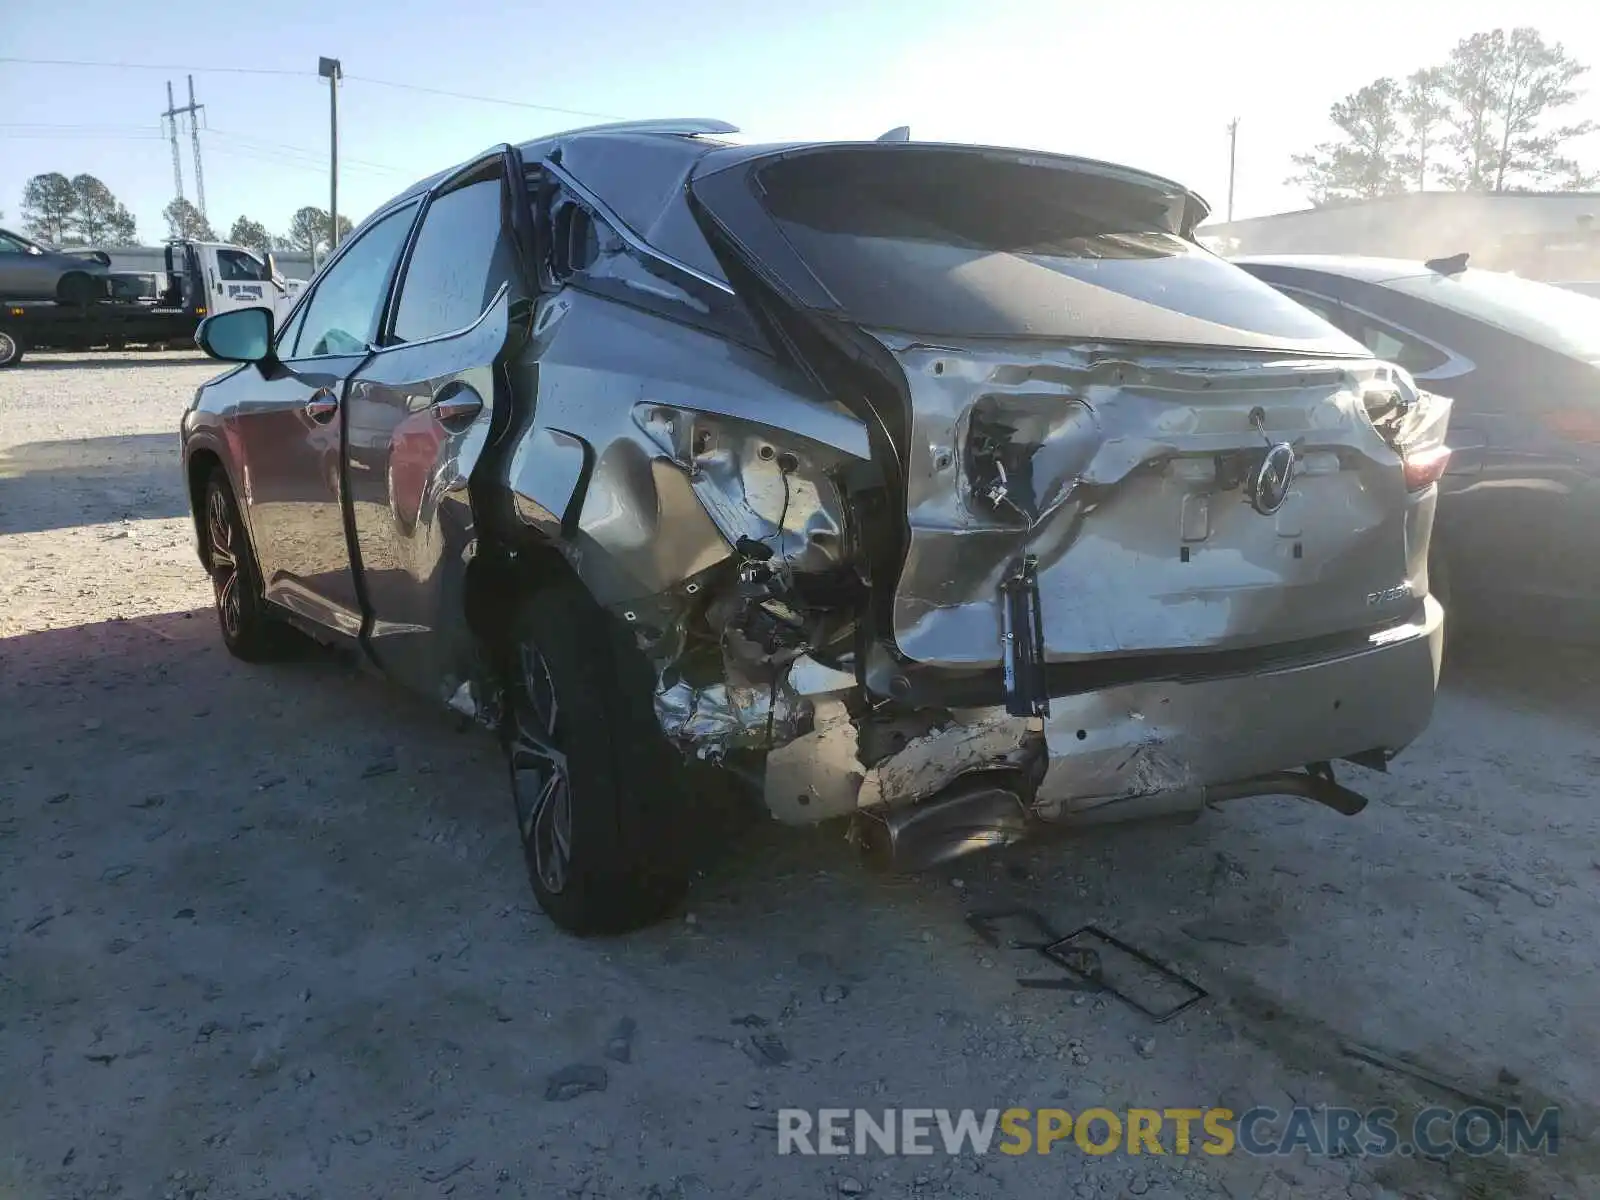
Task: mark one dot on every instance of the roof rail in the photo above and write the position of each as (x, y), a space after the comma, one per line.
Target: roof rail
(682, 126)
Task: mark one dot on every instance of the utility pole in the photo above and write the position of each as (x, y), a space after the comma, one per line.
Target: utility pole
(1233, 156)
(194, 134)
(330, 69)
(171, 118)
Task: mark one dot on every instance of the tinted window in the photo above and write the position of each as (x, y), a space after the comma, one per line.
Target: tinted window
(10, 245)
(342, 317)
(234, 265)
(1391, 344)
(965, 243)
(1553, 317)
(456, 265)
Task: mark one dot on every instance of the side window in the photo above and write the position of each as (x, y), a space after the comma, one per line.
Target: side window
(11, 246)
(1392, 345)
(342, 317)
(291, 331)
(236, 265)
(457, 264)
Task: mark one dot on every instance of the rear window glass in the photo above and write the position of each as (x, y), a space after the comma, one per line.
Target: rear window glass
(1554, 317)
(968, 244)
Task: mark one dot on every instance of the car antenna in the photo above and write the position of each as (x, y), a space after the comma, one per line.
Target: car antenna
(1453, 265)
(900, 133)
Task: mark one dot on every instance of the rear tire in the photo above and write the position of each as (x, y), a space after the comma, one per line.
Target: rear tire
(248, 630)
(11, 348)
(75, 288)
(598, 792)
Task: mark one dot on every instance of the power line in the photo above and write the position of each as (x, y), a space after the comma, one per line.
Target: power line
(417, 87)
(388, 83)
(127, 66)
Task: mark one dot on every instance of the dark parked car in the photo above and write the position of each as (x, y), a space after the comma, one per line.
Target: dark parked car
(29, 271)
(953, 490)
(1518, 529)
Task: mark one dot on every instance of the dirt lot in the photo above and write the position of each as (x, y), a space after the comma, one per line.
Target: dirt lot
(264, 932)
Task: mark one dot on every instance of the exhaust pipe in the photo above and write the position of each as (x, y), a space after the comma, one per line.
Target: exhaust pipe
(981, 813)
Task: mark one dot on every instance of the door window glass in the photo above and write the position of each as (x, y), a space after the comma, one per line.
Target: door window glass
(236, 265)
(342, 317)
(1392, 345)
(11, 245)
(457, 264)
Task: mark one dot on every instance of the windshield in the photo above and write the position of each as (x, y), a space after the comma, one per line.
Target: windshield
(953, 243)
(1554, 317)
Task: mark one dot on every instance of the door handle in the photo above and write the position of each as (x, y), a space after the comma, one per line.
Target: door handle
(457, 407)
(322, 407)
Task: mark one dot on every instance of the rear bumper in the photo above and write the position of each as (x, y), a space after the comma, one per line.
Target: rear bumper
(1147, 738)
(1148, 748)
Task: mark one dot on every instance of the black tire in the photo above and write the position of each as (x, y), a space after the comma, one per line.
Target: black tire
(589, 767)
(248, 630)
(11, 347)
(75, 288)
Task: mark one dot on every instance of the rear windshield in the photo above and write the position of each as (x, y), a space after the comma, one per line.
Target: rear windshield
(957, 243)
(1557, 318)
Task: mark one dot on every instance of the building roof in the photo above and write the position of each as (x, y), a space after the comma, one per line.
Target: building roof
(1431, 199)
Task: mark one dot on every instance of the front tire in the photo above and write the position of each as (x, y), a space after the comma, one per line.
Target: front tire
(248, 630)
(11, 348)
(598, 792)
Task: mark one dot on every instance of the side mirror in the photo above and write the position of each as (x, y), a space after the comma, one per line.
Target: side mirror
(272, 266)
(243, 335)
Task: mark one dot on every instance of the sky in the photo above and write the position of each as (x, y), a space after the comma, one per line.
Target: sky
(1152, 84)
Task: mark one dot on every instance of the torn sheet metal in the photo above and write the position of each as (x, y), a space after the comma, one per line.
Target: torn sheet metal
(989, 740)
(1124, 478)
(817, 776)
(713, 719)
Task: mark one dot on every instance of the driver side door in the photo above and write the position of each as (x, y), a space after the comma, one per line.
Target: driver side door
(289, 430)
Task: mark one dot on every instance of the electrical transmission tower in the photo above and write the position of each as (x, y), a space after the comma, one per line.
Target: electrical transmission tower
(172, 114)
(170, 118)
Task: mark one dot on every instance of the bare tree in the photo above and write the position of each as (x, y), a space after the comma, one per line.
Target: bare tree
(253, 234)
(47, 204)
(98, 217)
(1424, 107)
(1504, 89)
(184, 220)
(1366, 161)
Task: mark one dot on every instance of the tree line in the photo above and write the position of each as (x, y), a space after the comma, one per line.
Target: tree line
(81, 210)
(1487, 119)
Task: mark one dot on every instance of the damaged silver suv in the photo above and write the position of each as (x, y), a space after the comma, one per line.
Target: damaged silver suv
(950, 489)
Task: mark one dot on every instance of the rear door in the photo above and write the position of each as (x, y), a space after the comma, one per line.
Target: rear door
(419, 415)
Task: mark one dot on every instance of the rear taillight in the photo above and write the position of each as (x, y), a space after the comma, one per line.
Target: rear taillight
(1415, 426)
(1424, 467)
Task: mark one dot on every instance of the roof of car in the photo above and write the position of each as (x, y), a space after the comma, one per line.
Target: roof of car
(675, 147)
(1348, 266)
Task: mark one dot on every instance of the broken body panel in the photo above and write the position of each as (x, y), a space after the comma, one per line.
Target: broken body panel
(718, 499)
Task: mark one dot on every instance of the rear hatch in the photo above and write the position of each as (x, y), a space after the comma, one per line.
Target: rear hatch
(1182, 458)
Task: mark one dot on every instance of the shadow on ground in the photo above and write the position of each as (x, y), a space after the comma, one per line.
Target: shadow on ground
(87, 481)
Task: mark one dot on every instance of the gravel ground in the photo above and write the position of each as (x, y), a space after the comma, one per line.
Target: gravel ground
(265, 932)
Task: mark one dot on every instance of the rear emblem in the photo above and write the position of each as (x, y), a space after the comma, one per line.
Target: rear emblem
(1268, 488)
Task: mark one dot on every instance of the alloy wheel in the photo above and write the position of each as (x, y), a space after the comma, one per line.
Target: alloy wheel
(224, 563)
(540, 784)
